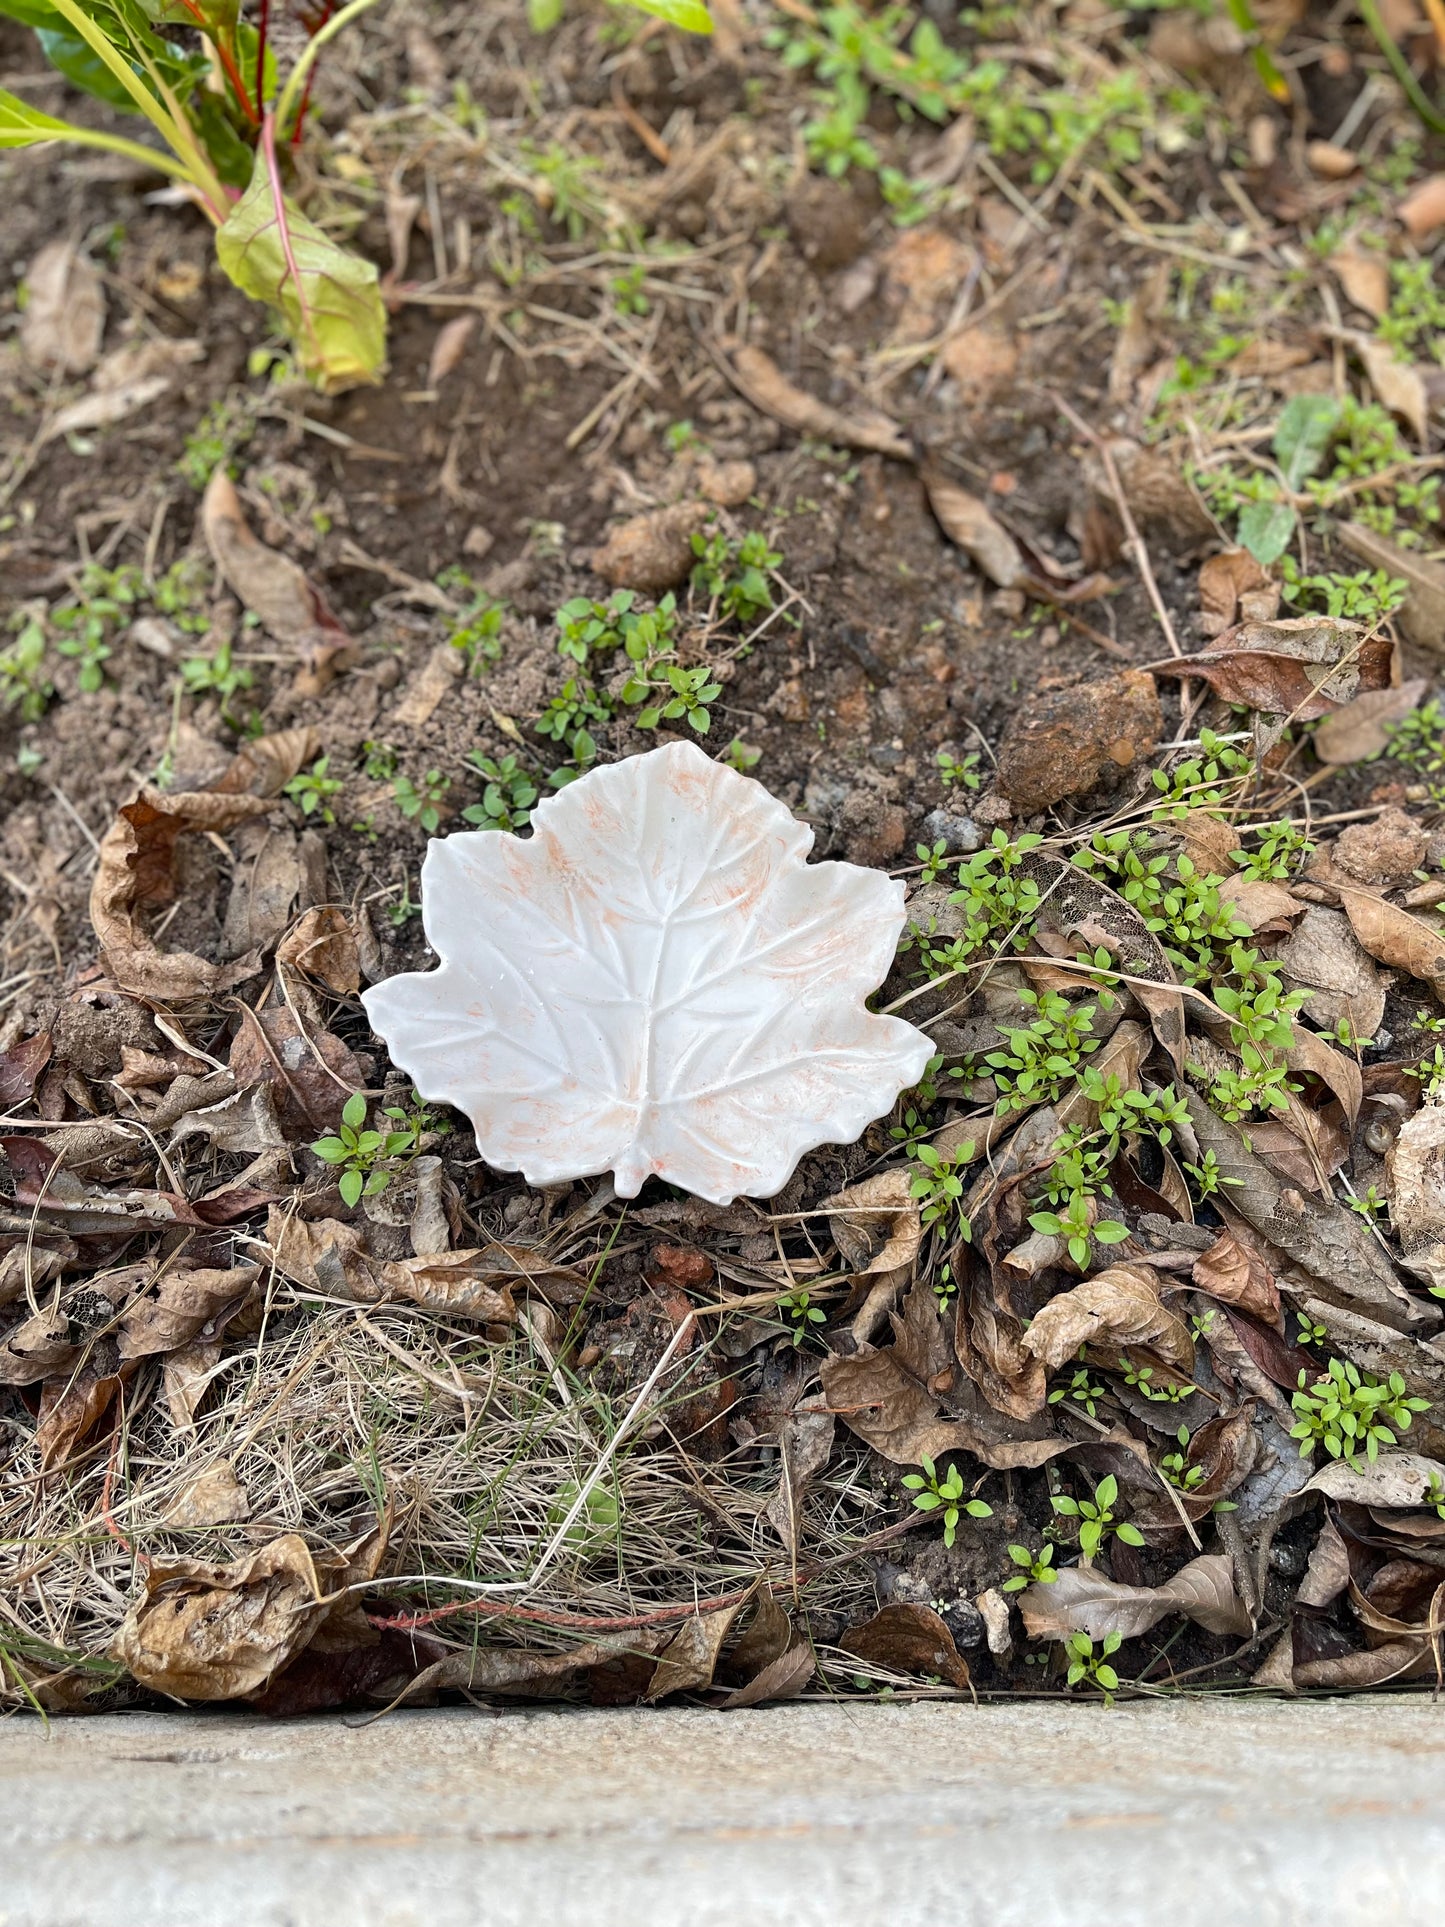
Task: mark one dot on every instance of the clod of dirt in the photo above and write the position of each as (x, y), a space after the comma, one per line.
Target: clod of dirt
(651, 553)
(1383, 851)
(64, 317)
(729, 484)
(1068, 739)
(828, 222)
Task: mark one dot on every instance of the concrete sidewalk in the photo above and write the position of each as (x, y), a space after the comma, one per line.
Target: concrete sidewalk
(1180, 1814)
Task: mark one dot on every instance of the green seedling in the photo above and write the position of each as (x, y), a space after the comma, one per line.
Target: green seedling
(421, 801)
(1097, 1523)
(1086, 1664)
(357, 1151)
(939, 1187)
(312, 788)
(800, 1314)
(932, 1494)
(1037, 1569)
(507, 798)
(1348, 1411)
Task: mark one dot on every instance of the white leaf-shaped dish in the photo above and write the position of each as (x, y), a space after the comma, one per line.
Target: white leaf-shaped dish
(654, 982)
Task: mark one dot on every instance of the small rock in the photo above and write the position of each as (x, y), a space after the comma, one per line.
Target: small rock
(729, 484)
(992, 809)
(828, 222)
(652, 552)
(1379, 852)
(478, 541)
(1067, 739)
(1331, 163)
(959, 834)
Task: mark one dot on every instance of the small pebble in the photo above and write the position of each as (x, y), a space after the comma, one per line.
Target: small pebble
(960, 834)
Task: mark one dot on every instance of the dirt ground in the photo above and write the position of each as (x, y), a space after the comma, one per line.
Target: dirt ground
(628, 298)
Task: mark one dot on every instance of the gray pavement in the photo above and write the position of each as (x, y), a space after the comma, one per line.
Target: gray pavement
(1178, 1814)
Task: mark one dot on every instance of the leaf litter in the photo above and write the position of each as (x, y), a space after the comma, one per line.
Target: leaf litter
(1137, 1289)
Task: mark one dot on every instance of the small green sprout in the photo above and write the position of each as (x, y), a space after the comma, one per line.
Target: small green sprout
(356, 1151)
(1176, 1467)
(939, 1187)
(959, 772)
(421, 802)
(801, 1314)
(932, 1494)
(1081, 1389)
(507, 798)
(312, 787)
(1086, 1664)
(1096, 1517)
(1343, 1411)
(1037, 1570)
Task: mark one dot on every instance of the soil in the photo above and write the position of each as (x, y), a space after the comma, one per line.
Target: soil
(565, 414)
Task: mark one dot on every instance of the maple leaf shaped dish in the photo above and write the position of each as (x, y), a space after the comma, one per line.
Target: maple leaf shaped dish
(654, 982)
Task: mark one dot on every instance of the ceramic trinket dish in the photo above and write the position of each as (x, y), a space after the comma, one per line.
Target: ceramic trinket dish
(655, 982)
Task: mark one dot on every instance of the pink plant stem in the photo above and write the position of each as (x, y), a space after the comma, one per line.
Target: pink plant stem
(326, 12)
(278, 198)
(261, 32)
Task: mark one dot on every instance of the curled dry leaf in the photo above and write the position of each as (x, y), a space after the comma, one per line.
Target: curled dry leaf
(276, 590)
(1393, 936)
(1232, 584)
(74, 1403)
(1394, 1479)
(688, 1661)
(187, 1307)
(1082, 1600)
(1311, 1053)
(214, 1497)
(516, 1673)
(1365, 278)
(968, 521)
(1324, 956)
(876, 1224)
(1236, 1274)
(64, 316)
(311, 1072)
(1399, 386)
(219, 1632)
(1118, 1307)
(136, 872)
(21, 1066)
(1300, 668)
(1360, 732)
(904, 1638)
(323, 946)
(449, 347)
(323, 1255)
(651, 552)
(886, 1398)
(759, 378)
(1415, 1173)
(1325, 1240)
(1423, 208)
(782, 1678)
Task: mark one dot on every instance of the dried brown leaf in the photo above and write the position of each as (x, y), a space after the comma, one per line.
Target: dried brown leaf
(758, 377)
(64, 318)
(968, 521)
(687, 1663)
(1325, 1239)
(904, 1638)
(1399, 385)
(1117, 1307)
(1423, 208)
(449, 347)
(218, 1632)
(277, 591)
(875, 1224)
(135, 871)
(20, 1068)
(213, 1497)
(323, 946)
(1300, 668)
(1223, 581)
(1365, 278)
(1394, 1479)
(1082, 1600)
(781, 1679)
(1236, 1274)
(1394, 937)
(187, 1307)
(1360, 732)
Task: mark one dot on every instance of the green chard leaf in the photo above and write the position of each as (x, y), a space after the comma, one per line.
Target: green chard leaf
(331, 304)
